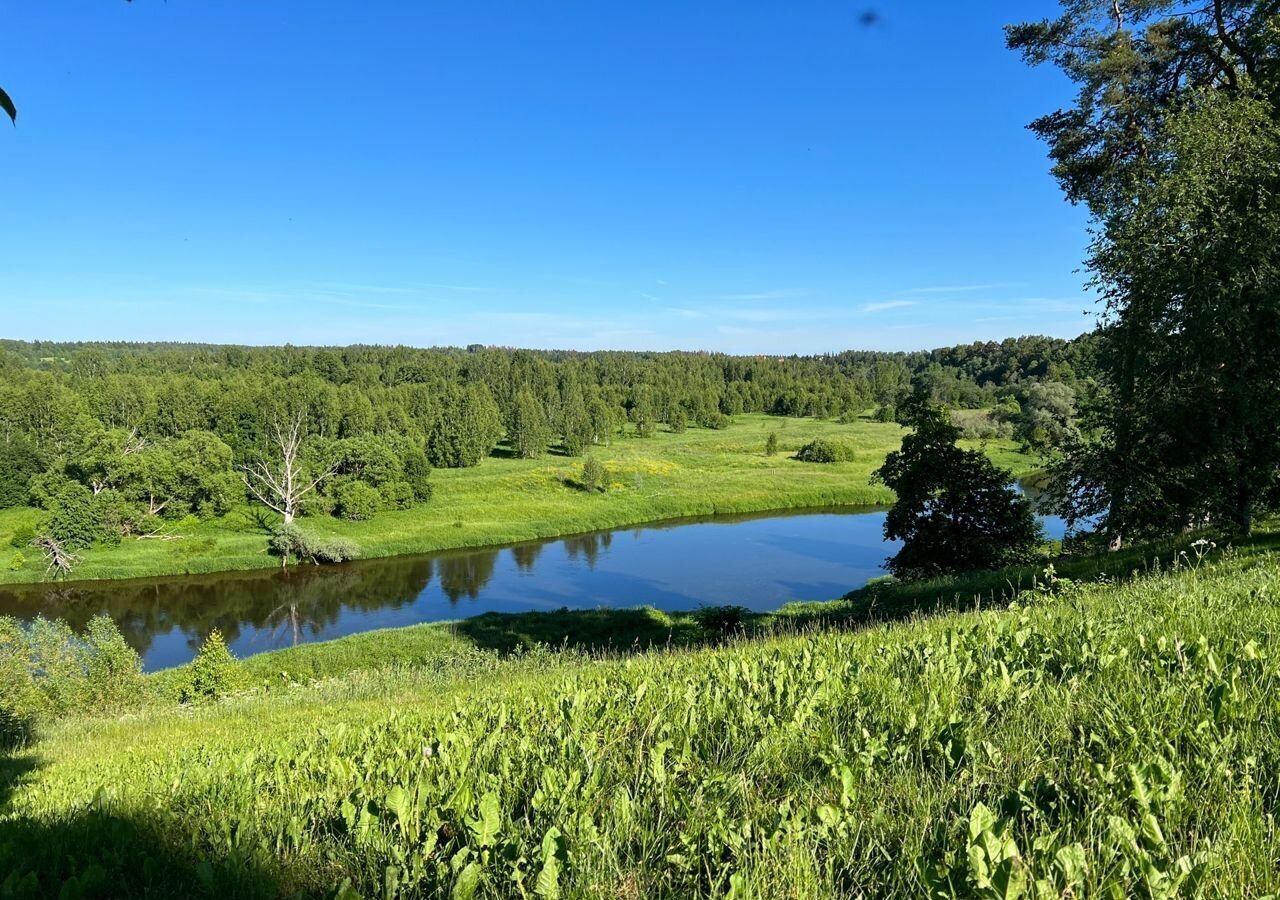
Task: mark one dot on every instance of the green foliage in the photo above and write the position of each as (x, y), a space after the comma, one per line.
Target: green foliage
(290, 541)
(398, 495)
(1174, 145)
(48, 670)
(721, 621)
(715, 420)
(468, 428)
(886, 414)
(527, 428)
(955, 511)
(212, 674)
(357, 501)
(594, 477)
(19, 462)
(771, 444)
(1046, 419)
(824, 451)
(23, 535)
(73, 516)
(17, 561)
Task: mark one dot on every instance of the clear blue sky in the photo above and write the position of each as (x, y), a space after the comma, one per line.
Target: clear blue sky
(699, 174)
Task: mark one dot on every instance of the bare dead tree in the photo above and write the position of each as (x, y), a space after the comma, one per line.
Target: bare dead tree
(282, 485)
(59, 557)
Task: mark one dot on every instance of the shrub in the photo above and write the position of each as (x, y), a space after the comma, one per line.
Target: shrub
(23, 535)
(886, 414)
(721, 620)
(771, 444)
(47, 670)
(824, 451)
(357, 501)
(334, 550)
(17, 562)
(400, 494)
(212, 674)
(716, 420)
(593, 474)
(290, 540)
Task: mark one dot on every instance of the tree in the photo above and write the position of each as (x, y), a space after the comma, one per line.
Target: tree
(19, 462)
(771, 444)
(955, 510)
(593, 475)
(577, 426)
(467, 429)
(1047, 416)
(283, 482)
(527, 429)
(1172, 144)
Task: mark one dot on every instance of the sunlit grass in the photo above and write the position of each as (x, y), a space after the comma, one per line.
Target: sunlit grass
(1117, 738)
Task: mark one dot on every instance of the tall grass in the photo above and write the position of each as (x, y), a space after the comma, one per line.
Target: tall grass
(1101, 739)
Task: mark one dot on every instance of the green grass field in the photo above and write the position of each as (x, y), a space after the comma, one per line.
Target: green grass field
(700, 472)
(1118, 737)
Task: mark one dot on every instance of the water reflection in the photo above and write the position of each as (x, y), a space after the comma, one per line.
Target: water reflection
(757, 561)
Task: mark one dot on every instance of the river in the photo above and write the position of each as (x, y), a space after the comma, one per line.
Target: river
(757, 561)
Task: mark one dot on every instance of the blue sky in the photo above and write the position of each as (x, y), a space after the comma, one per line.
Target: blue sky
(695, 174)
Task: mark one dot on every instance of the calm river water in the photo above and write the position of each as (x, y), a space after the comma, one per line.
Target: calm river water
(759, 561)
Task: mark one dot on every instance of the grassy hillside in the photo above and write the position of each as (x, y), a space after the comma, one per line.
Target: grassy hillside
(1114, 738)
(698, 472)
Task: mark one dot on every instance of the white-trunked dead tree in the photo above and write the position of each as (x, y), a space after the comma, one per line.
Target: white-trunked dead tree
(282, 484)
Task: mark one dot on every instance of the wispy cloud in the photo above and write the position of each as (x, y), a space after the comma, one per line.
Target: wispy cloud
(959, 288)
(780, 294)
(887, 305)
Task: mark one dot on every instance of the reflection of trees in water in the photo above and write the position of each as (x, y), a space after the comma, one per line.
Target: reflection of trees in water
(465, 574)
(589, 546)
(526, 555)
(233, 603)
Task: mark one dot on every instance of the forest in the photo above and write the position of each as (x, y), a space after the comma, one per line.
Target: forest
(112, 441)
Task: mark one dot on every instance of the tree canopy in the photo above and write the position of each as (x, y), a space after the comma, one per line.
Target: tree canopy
(955, 511)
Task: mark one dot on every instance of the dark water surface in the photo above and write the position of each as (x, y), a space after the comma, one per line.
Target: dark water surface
(759, 561)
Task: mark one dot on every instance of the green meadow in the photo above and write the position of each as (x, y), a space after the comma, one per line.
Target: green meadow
(1116, 735)
(503, 500)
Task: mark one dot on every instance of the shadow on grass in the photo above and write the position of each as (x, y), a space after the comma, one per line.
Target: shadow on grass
(599, 630)
(94, 852)
(97, 853)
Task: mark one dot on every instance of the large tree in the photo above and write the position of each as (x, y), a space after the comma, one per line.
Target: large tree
(955, 510)
(1172, 145)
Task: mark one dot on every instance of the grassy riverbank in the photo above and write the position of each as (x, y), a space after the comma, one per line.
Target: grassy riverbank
(1109, 738)
(504, 500)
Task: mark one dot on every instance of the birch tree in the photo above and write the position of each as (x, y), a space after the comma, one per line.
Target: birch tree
(281, 484)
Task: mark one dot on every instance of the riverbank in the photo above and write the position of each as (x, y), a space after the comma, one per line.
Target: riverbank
(1150, 697)
(699, 472)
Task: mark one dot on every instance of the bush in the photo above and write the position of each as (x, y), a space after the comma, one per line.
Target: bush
(716, 420)
(721, 620)
(290, 540)
(47, 670)
(400, 494)
(17, 562)
(823, 451)
(212, 674)
(356, 501)
(334, 550)
(593, 474)
(23, 535)
(886, 414)
(771, 444)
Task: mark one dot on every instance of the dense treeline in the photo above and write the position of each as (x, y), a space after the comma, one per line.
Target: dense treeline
(117, 439)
